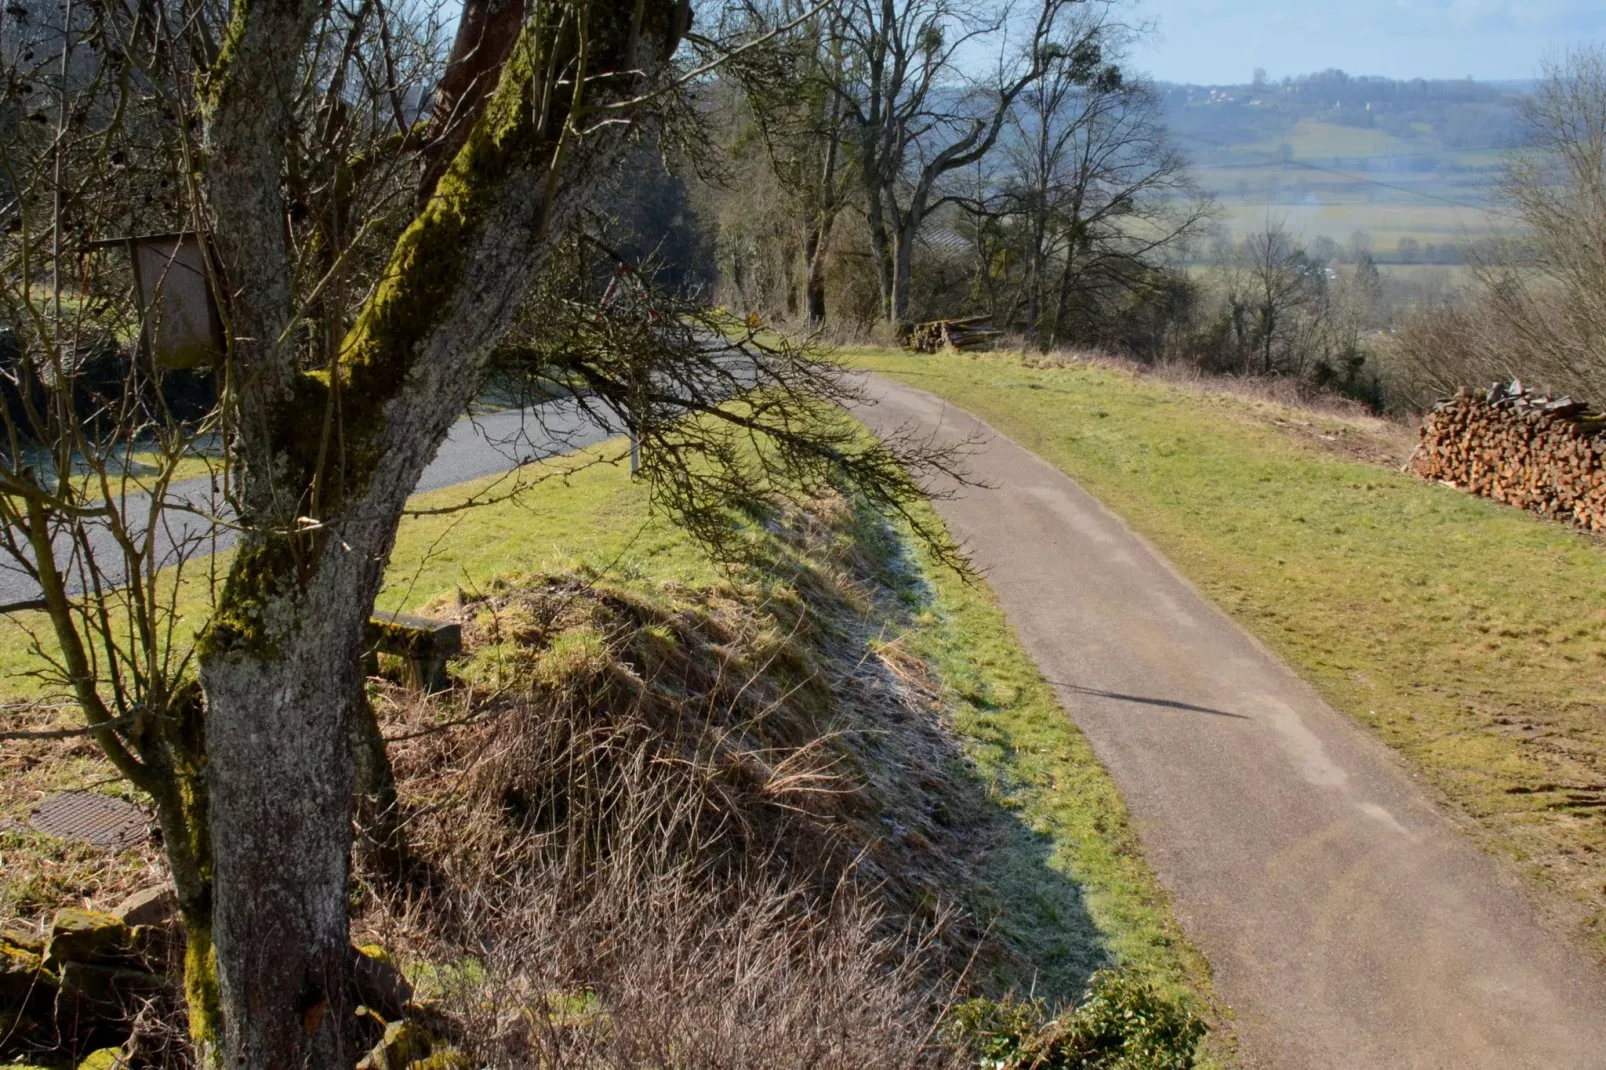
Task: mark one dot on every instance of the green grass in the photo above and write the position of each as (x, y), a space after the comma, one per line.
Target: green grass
(596, 516)
(589, 516)
(1075, 851)
(140, 468)
(1469, 636)
(1311, 139)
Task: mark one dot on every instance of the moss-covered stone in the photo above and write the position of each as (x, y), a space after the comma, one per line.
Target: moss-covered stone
(24, 937)
(156, 905)
(104, 1059)
(376, 953)
(404, 1044)
(444, 1058)
(86, 936)
(105, 992)
(379, 981)
(23, 979)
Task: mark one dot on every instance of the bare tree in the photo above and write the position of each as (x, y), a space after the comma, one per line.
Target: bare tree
(1046, 130)
(916, 117)
(1549, 287)
(1271, 286)
(367, 259)
(1102, 193)
(788, 90)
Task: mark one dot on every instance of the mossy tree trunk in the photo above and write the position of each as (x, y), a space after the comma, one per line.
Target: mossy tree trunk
(326, 462)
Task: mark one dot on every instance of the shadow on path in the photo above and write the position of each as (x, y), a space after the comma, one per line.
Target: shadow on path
(1169, 704)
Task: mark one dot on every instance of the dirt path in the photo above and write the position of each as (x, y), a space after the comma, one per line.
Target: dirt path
(1347, 923)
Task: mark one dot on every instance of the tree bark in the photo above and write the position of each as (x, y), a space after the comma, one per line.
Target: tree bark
(903, 246)
(1062, 303)
(814, 278)
(280, 785)
(881, 251)
(279, 662)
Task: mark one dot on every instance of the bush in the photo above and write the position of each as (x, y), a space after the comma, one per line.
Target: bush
(1122, 1024)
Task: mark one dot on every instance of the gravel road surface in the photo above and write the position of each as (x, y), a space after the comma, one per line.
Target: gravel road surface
(1347, 922)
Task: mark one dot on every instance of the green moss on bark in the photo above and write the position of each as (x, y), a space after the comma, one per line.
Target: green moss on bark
(263, 576)
(216, 78)
(427, 266)
(426, 269)
(202, 996)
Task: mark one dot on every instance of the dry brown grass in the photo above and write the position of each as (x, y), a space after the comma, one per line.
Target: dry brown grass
(1319, 419)
(40, 873)
(675, 827)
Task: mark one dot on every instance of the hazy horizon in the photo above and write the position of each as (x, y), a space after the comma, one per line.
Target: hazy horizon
(1224, 41)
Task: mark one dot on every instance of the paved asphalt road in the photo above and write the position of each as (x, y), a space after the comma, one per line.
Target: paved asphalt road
(474, 448)
(1346, 921)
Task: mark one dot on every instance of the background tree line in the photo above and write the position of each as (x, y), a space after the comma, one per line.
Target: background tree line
(856, 182)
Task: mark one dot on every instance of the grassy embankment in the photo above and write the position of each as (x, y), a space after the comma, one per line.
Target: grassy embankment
(1068, 821)
(1469, 636)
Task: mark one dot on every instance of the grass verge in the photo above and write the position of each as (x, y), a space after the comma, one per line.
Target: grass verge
(1469, 636)
(1065, 885)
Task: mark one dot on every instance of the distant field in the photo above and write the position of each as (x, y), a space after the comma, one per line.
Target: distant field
(1428, 224)
(1343, 179)
(1312, 140)
(1447, 276)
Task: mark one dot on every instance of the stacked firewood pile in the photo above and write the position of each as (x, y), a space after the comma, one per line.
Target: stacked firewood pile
(975, 332)
(1540, 453)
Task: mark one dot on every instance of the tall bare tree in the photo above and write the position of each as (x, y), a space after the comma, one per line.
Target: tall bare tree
(367, 258)
(1549, 287)
(789, 95)
(1115, 195)
(916, 116)
(1280, 310)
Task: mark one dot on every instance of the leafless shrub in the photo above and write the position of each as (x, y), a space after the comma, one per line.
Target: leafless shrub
(1447, 345)
(1539, 312)
(1280, 390)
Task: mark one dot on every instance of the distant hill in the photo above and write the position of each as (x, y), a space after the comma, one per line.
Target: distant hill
(1464, 116)
(1331, 155)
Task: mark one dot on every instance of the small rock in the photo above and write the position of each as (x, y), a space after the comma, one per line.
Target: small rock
(154, 945)
(380, 984)
(104, 1059)
(23, 1032)
(85, 936)
(156, 905)
(404, 1045)
(26, 937)
(97, 993)
(444, 1058)
(24, 982)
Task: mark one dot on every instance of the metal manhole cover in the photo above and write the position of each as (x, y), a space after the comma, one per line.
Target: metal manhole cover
(97, 819)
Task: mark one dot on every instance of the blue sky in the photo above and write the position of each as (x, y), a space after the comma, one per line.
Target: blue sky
(1217, 41)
